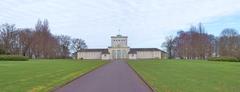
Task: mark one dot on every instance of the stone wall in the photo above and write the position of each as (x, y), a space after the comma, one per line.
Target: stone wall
(148, 54)
(105, 57)
(89, 55)
(132, 56)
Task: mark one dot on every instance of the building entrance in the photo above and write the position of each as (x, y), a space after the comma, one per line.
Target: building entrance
(119, 54)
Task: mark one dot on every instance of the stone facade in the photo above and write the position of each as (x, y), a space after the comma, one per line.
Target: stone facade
(120, 50)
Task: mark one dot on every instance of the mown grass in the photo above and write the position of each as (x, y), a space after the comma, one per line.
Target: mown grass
(40, 75)
(189, 76)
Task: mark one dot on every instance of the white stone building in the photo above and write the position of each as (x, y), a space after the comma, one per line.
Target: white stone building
(120, 50)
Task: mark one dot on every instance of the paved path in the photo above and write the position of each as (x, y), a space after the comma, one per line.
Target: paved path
(116, 76)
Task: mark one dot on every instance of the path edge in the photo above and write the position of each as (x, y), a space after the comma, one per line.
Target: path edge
(150, 87)
(68, 82)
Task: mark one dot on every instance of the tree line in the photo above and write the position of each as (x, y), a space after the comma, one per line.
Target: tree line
(195, 43)
(37, 42)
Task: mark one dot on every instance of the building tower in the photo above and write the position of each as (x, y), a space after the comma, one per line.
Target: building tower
(119, 41)
(119, 48)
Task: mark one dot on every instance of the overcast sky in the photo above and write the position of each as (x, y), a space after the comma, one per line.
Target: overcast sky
(145, 22)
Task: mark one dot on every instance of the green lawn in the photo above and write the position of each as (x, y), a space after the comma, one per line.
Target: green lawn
(40, 75)
(190, 76)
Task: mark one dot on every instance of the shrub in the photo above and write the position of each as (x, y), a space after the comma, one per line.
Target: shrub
(2, 51)
(226, 59)
(13, 58)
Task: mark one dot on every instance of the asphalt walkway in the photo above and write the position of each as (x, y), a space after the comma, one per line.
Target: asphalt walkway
(116, 76)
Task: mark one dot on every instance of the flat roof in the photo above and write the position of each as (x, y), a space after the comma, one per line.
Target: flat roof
(119, 36)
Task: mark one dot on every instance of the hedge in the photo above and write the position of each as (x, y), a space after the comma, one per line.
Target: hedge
(226, 59)
(13, 58)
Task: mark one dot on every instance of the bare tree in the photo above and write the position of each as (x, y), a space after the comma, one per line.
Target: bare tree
(44, 45)
(169, 45)
(64, 46)
(9, 37)
(78, 44)
(25, 37)
(194, 44)
(229, 43)
(38, 42)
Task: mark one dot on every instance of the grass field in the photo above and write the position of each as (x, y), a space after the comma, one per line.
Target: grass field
(190, 76)
(40, 75)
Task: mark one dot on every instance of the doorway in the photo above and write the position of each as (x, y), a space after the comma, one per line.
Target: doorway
(119, 54)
